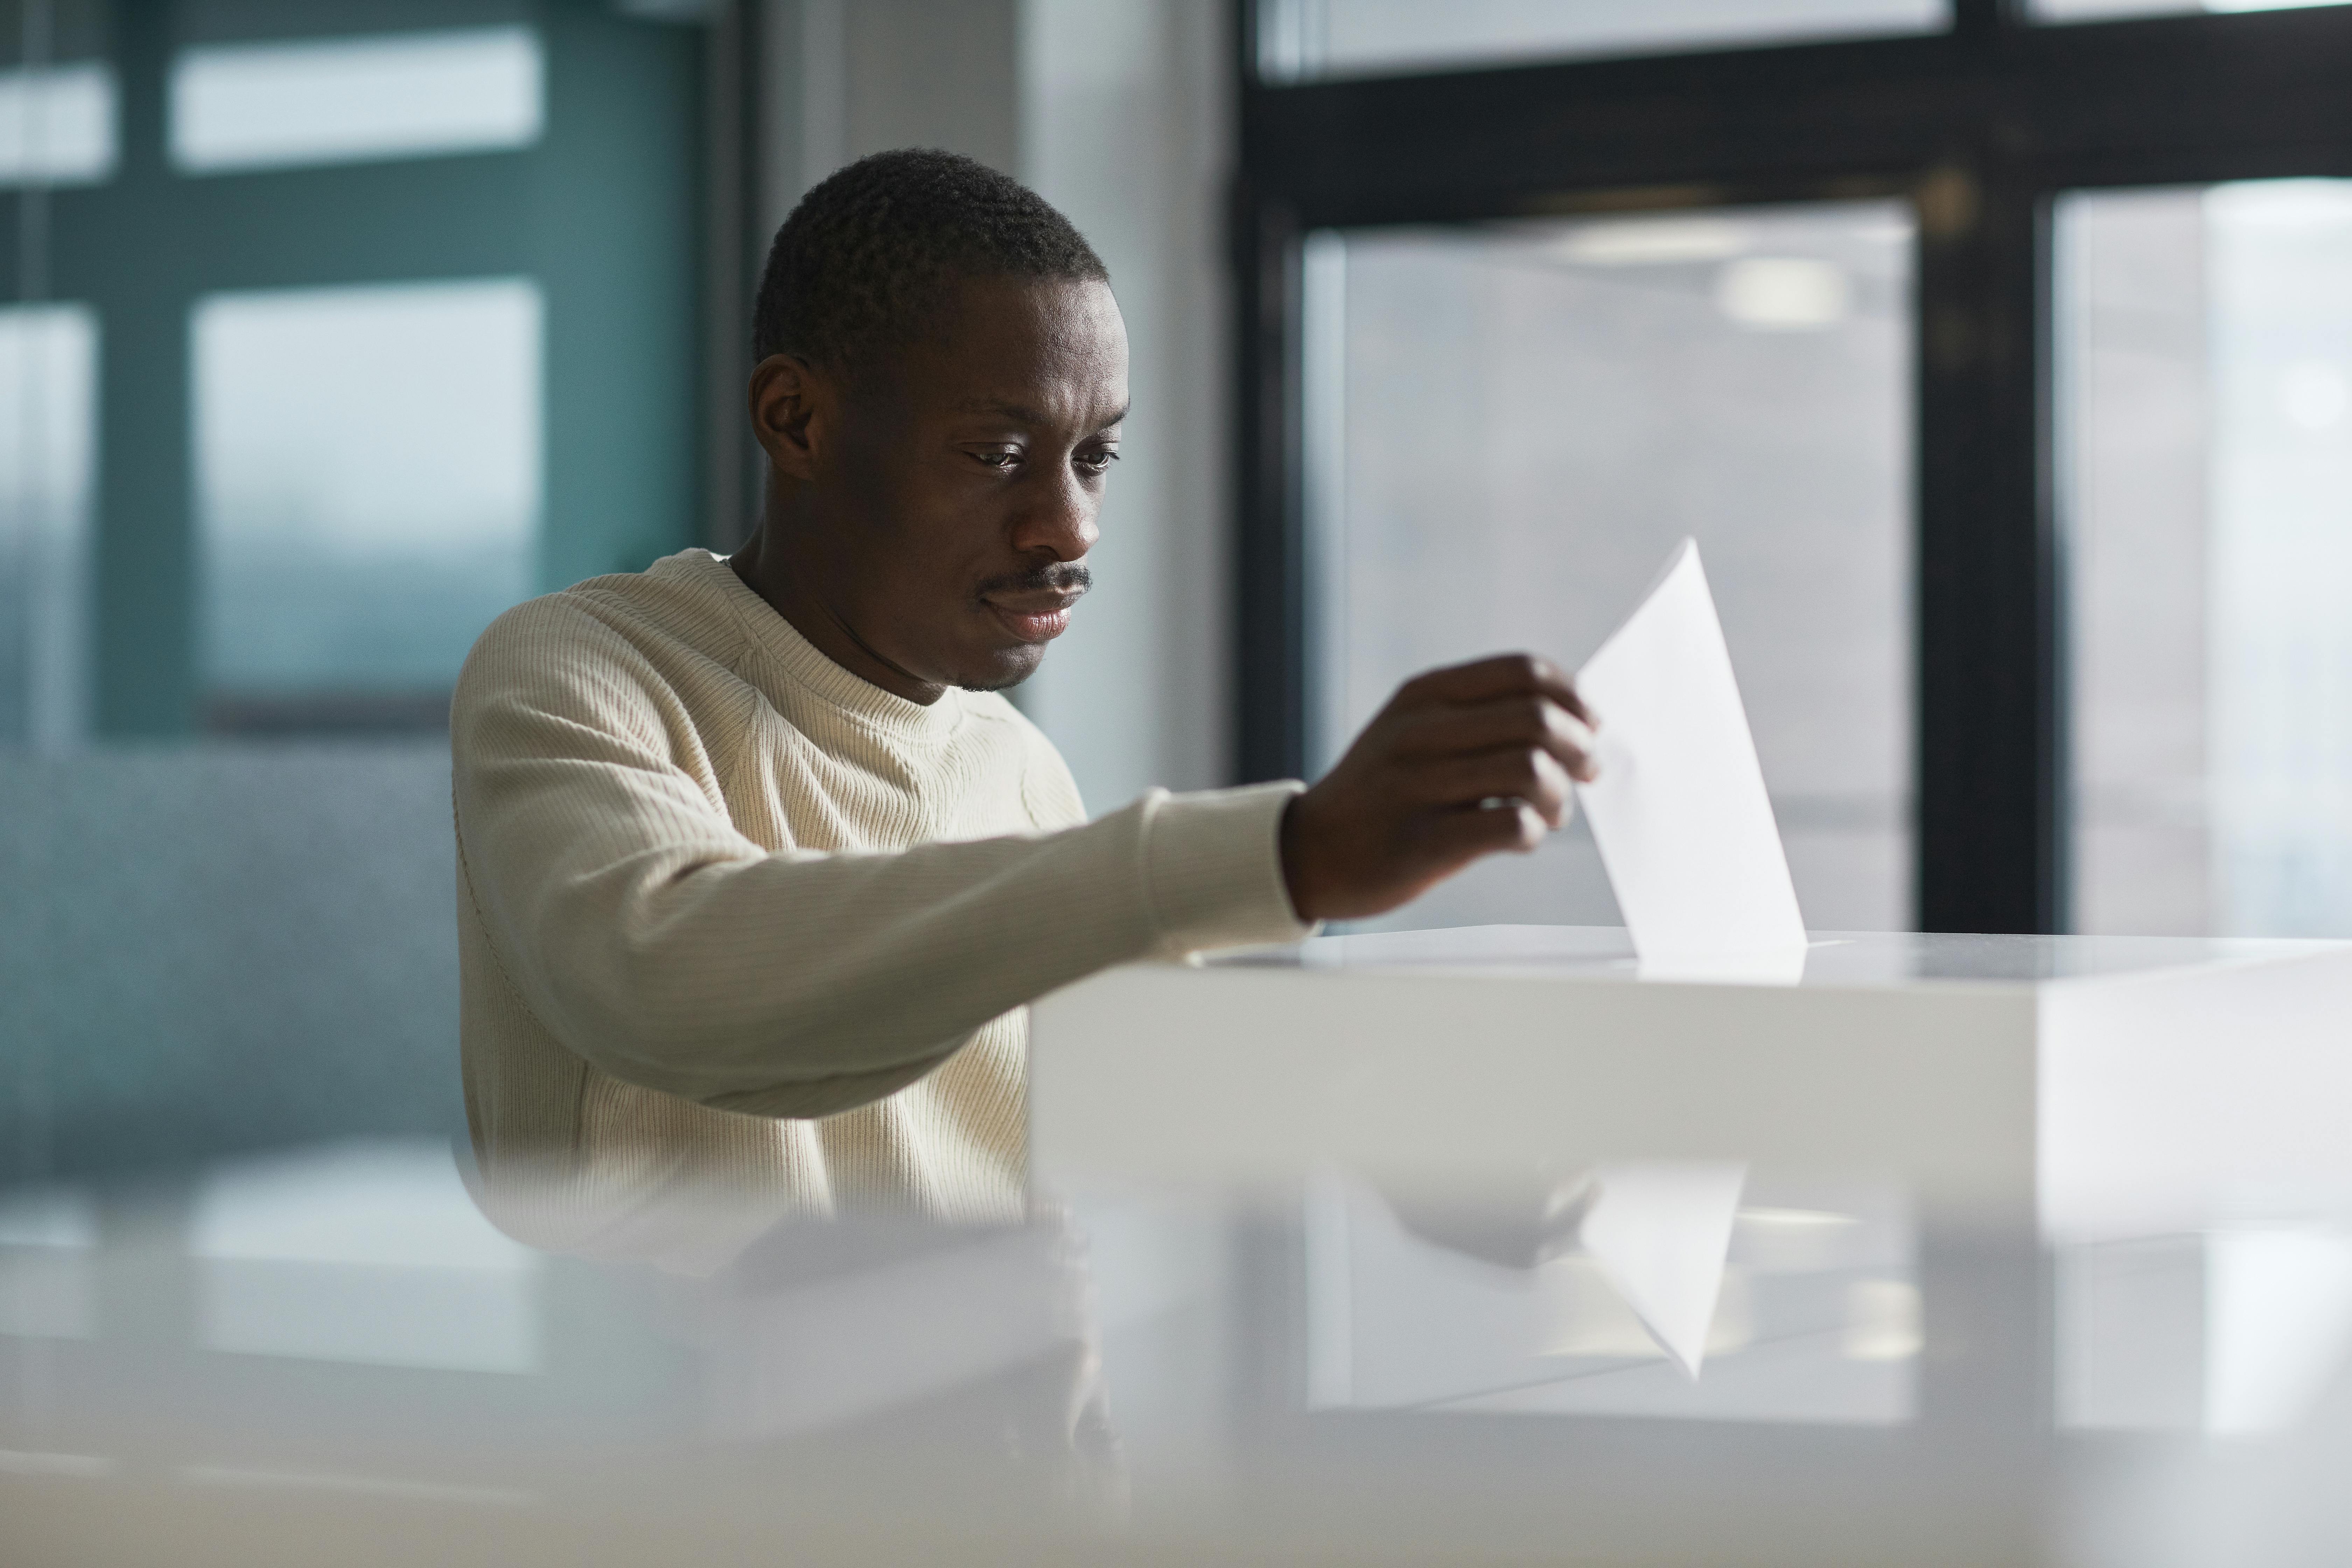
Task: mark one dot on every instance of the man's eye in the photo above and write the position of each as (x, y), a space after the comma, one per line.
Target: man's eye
(1000, 457)
(1099, 462)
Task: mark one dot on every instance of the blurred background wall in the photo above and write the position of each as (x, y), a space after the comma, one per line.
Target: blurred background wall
(212, 947)
(333, 328)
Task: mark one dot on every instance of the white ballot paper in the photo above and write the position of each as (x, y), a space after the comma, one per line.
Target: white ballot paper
(1679, 811)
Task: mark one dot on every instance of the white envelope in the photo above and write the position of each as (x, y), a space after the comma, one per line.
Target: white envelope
(1679, 811)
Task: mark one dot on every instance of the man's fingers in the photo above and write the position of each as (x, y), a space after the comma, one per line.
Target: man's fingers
(1504, 675)
(1465, 835)
(1462, 762)
(1562, 690)
(1501, 722)
(1529, 773)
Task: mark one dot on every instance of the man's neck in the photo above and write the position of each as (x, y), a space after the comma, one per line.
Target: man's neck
(766, 563)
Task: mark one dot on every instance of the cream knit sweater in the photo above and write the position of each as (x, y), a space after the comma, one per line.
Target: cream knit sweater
(730, 916)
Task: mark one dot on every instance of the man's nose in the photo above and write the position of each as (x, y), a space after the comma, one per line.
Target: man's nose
(1062, 524)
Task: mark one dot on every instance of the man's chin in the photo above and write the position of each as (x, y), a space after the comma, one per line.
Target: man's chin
(1009, 667)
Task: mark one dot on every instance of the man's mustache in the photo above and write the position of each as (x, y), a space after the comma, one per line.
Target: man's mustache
(1056, 577)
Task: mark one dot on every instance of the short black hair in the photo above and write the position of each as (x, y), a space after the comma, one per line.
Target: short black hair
(864, 263)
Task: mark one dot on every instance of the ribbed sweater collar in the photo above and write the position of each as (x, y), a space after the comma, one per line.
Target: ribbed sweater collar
(808, 666)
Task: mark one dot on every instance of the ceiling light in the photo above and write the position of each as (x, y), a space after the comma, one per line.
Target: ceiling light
(1781, 293)
(1652, 241)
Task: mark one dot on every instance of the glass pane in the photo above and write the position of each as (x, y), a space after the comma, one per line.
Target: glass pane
(368, 486)
(2097, 10)
(48, 367)
(1307, 38)
(2206, 358)
(1509, 429)
(336, 100)
(57, 125)
(58, 108)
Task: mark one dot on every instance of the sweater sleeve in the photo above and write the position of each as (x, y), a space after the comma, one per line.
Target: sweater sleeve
(657, 940)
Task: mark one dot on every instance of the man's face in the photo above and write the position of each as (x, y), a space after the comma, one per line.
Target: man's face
(961, 490)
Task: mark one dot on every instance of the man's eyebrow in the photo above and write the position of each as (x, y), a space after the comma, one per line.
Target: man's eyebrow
(1024, 414)
(1020, 411)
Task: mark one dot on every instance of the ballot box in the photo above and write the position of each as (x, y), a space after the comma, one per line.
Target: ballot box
(2098, 1085)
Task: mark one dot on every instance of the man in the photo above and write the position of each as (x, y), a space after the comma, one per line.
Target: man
(757, 870)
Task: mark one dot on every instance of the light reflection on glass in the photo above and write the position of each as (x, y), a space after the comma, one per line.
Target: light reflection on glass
(1307, 38)
(57, 125)
(1810, 1314)
(2105, 10)
(48, 370)
(1508, 427)
(46, 1239)
(371, 1253)
(2279, 1319)
(2206, 366)
(368, 480)
(338, 100)
(2235, 1333)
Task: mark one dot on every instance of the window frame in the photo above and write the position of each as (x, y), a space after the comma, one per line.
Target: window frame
(605, 210)
(1981, 128)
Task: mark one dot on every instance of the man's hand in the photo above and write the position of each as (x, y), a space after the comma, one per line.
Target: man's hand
(1462, 762)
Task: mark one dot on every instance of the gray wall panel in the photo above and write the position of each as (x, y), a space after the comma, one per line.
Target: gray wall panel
(207, 949)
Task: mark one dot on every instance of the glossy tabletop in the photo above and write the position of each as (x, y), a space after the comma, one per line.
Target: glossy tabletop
(1648, 1356)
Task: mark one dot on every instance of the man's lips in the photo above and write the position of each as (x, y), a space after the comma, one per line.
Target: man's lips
(1034, 617)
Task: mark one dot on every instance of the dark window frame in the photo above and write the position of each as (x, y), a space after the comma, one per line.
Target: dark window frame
(1981, 128)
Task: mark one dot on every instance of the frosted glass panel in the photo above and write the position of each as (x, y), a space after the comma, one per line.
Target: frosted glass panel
(1510, 427)
(2206, 357)
(2097, 10)
(1304, 38)
(340, 101)
(48, 368)
(368, 481)
(57, 125)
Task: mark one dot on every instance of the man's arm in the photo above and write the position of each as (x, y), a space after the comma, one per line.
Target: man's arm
(660, 944)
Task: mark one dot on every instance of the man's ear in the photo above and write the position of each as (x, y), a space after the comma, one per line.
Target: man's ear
(794, 407)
